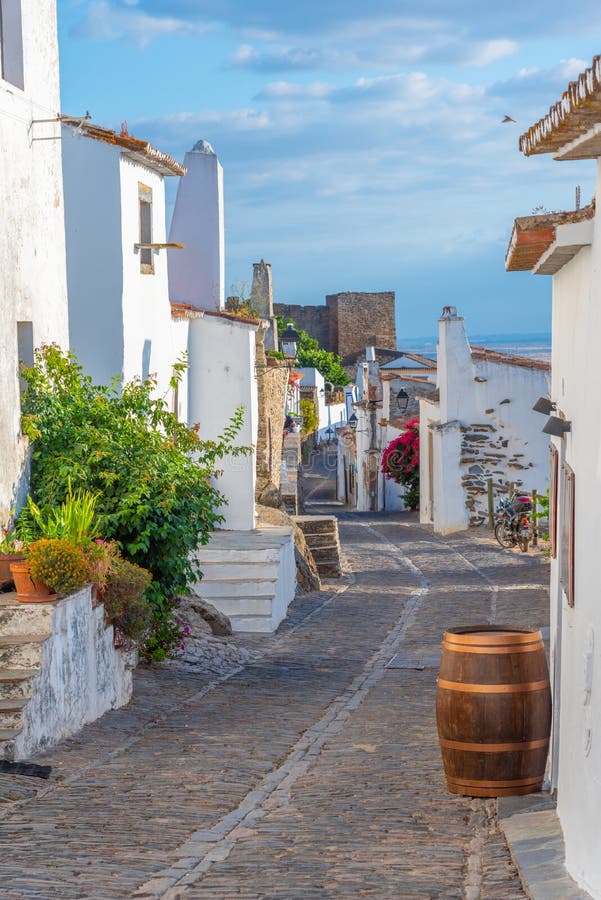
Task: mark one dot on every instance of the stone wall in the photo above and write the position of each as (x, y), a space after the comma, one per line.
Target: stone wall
(486, 452)
(349, 321)
(272, 379)
(82, 675)
(359, 319)
(315, 320)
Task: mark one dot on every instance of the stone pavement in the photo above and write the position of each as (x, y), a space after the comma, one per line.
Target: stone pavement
(311, 772)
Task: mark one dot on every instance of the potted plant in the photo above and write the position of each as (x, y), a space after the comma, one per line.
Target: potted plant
(52, 566)
(11, 550)
(123, 597)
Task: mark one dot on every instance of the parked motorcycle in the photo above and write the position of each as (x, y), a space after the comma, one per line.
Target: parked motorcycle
(514, 524)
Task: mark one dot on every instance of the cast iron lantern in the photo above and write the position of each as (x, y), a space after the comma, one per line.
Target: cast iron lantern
(402, 400)
(353, 422)
(290, 339)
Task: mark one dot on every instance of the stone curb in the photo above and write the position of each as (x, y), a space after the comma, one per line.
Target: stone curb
(535, 840)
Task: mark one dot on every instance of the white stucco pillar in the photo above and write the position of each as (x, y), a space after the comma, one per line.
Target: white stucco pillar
(454, 363)
(197, 273)
(222, 378)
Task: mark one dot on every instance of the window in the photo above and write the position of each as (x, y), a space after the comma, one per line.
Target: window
(11, 42)
(553, 500)
(566, 547)
(145, 207)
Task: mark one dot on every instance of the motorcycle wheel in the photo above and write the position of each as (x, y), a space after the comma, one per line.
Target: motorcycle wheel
(505, 535)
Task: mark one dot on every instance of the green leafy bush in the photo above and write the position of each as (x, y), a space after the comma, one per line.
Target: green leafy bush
(59, 564)
(309, 414)
(312, 356)
(153, 475)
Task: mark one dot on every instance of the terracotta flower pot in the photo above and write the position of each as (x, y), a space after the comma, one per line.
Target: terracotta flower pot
(29, 590)
(5, 560)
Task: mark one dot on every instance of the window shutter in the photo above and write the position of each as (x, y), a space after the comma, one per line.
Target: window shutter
(553, 500)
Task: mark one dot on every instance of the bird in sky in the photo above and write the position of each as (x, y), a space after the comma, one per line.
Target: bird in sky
(507, 119)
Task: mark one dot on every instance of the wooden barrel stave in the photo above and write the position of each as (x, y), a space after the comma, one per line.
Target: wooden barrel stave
(493, 711)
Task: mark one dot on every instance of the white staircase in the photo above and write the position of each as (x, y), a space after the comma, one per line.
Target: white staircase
(58, 671)
(250, 576)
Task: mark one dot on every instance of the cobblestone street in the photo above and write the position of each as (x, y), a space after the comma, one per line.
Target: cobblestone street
(311, 772)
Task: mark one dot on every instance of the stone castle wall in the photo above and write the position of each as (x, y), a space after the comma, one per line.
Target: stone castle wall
(359, 320)
(315, 320)
(349, 321)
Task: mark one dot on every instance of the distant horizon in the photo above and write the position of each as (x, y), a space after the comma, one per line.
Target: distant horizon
(499, 336)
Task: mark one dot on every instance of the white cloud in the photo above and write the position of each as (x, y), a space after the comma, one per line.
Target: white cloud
(491, 51)
(105, 22)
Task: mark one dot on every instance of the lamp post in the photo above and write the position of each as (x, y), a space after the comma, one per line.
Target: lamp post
(402, 401)
(289, 342)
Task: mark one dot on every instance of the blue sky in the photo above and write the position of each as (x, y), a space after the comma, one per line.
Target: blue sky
(362, 144)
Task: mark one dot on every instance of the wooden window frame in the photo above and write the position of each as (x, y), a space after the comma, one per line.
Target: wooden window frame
(146, 253)
(567, 569)
(553, 486)
(11, 43)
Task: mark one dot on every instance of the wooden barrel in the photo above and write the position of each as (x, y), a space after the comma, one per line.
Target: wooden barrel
(493, 710)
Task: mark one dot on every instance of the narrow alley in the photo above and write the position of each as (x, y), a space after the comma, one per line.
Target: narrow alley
(311, 772)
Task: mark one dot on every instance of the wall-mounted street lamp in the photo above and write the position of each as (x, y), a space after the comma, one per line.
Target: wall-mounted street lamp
(402, 401)
(289, 340)
(557, 427)
(544, 405)
(353, 422)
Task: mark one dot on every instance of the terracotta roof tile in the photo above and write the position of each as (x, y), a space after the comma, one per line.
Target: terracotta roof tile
(509, 359)
(533, 235)
(139, 151)
(570, 119)
(185, 311)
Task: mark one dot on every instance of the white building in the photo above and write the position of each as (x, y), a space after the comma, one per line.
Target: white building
(360, 481)
(119, 310)
(479, 425)
(330, 414)
(568, 247)
(33, 298)
(249, 573)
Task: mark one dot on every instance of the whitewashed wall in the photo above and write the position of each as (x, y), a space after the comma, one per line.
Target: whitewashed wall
(95, 276)
(197, 273)
(576, 632)
(32, 239)
(81, 677)
(222, 378)
(483, 426)
(119, 318)
(329, 415)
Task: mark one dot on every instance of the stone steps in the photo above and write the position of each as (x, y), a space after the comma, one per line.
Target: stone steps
(321, 535)
(15, 684)
(7, 742)
(21, 651)
(24, 618)
(10, 713)
(246, 576)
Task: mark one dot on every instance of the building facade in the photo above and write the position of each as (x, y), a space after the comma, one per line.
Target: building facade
(33, 294)
(567, 246)
(478, 426)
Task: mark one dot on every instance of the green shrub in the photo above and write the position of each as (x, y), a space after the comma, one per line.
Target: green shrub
(125, 586)
(59, 564)
(153, 475)
(309, 414)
